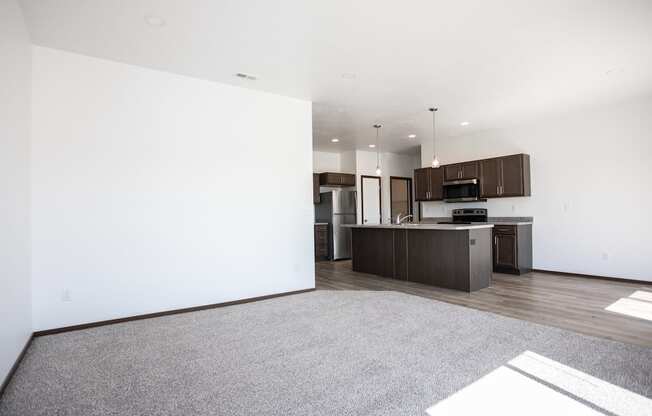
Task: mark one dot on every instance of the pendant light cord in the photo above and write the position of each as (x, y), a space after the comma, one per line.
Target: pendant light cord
(434, 151)
(377, 126)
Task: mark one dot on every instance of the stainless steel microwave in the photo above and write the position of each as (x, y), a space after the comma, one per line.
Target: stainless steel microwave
(462, 190)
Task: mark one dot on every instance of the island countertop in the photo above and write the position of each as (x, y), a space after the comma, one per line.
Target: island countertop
(422, 226)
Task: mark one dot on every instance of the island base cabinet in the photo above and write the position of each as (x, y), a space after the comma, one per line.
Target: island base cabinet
(400, 254)
(455, 259)
(459, 260)
(374, 251)
(438, 258)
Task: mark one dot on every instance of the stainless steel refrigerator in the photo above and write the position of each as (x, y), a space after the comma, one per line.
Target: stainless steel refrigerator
(337, 207)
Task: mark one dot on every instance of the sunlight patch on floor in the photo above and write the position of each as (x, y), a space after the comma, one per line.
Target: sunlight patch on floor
(637, 305)
(642, 295)
(531, 384)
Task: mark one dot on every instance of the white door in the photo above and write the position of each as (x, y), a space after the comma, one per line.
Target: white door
(370, 200)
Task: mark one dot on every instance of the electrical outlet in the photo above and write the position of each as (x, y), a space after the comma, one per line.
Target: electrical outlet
(513, 208)
(566, 206)
(65, 296)
(605, 256)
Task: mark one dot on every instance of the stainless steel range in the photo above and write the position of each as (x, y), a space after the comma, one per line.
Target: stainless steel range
(467, 216)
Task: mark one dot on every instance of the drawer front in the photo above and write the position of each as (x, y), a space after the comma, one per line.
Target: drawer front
(321, 241)
(505, 229)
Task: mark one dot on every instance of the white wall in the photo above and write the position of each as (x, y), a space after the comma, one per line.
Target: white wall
(152, 191)
(325, 162)
(344, 162)
(591, 187)
(349, 161)
(392, 164)
(15, 74)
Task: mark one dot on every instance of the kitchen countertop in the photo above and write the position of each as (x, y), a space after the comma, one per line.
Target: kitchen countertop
(490, 220)
(423, 226)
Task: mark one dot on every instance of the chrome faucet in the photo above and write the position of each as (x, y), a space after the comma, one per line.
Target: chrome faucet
(400, 219)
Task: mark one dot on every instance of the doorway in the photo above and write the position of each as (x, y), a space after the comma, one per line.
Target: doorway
(370, 197)
(400, 195)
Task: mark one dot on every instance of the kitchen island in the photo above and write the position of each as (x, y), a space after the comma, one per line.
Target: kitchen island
(453, 256)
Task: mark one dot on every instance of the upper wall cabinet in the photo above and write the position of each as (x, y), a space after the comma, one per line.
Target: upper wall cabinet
(505, 176)
(428, 184)
(336, 179)
(436, 184)
(498, 177)
(421, 184)
(466, 170)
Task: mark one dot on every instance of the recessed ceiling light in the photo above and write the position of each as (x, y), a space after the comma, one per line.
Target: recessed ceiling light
(155, 21)
(372, 145)
(613, 71)
(464, 123)
(246, 76)
(335, 140)
(411, 136)
(348, 75)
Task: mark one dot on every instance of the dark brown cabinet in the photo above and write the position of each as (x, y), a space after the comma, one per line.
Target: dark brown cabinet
(515, 176)
(374, 251)
(421, 184)
(512, 248)
(436, 184)
(505, 251)
(490, 178)
(321, 242)
(505, 176)
(498, 177)
(466, 170)
(400, 238)
(428, 184)
(452, 259)
(336, 179)
(316, 197)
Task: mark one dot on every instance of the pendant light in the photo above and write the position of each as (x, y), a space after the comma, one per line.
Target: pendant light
(377, 127)
(435, 161)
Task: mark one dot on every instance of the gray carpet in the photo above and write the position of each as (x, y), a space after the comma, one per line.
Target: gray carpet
(319, 353)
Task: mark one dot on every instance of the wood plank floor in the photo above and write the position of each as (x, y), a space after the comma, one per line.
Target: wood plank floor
(568, 302)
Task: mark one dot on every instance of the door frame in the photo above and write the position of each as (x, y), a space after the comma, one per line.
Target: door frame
(380, 196)
(410, 197)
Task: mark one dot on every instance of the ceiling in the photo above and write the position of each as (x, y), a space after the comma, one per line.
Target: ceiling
(362, 62)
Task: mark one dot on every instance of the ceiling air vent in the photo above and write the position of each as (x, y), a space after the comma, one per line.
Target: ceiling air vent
(246, 76)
